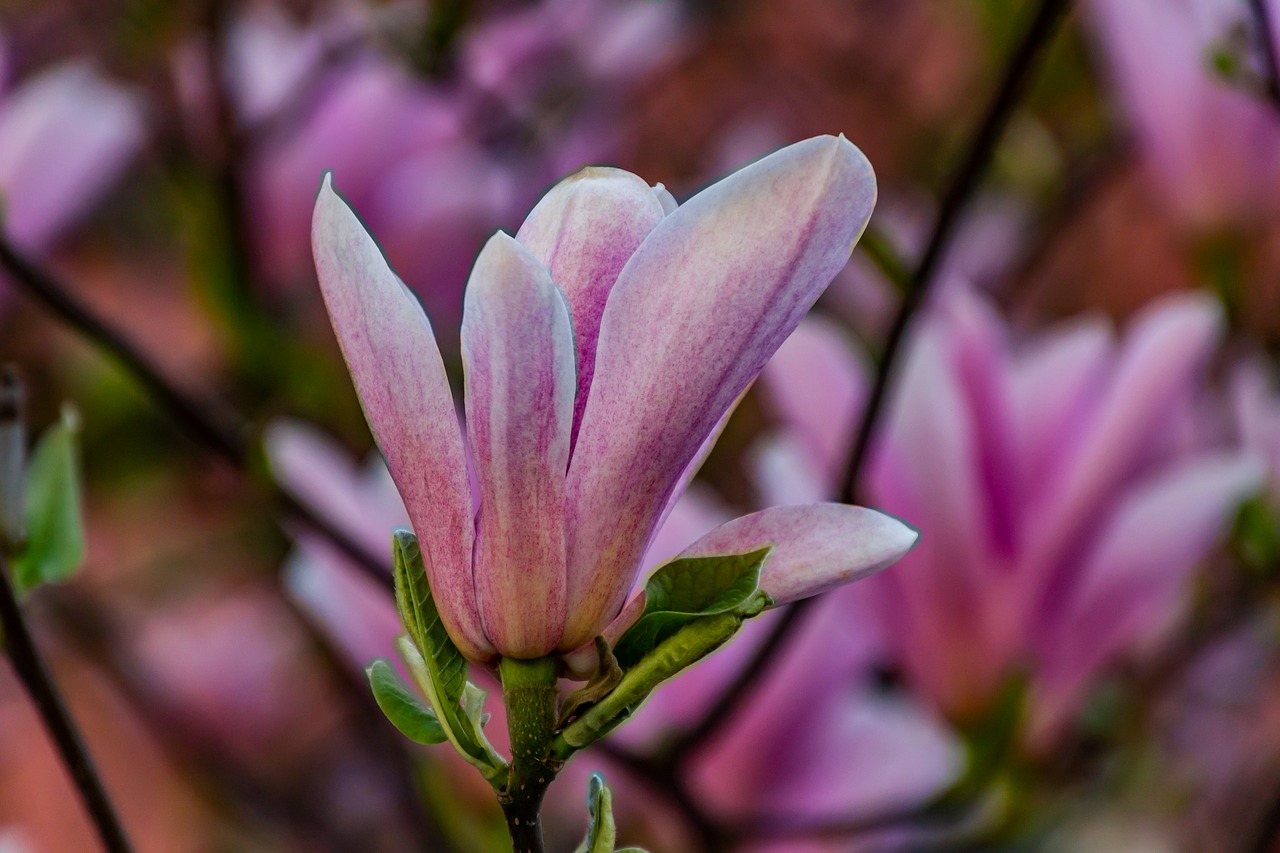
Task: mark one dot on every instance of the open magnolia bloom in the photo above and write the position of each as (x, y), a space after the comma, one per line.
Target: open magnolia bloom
(603, 347)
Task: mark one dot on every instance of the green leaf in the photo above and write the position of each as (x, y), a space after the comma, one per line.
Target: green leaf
(415, 721)
(55, 545)
(601, 833)
(687, 589)
(437, 666)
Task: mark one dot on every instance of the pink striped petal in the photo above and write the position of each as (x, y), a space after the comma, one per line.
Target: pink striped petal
(517, 349)
(584, 230)
(816, 547)
(392, 355)
(705, 301)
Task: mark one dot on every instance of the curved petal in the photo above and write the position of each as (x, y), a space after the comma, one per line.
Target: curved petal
(517, 350)
(816, 547)
(697, 311)
(392, 355)
(584, 230)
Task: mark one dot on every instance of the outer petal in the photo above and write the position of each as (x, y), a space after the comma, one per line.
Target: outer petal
(64, 136)
(816, 547)
(391, 353)
(697, 311)
(584, 230)
(517, 349)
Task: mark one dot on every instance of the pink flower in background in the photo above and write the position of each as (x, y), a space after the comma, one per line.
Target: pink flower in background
(602, 349)
(1065, 499)
(1213, 144)
(433, 165)
(65, 135)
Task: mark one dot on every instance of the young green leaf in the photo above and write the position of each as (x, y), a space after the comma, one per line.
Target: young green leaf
(687, 589)
(437, 666)
(601, 833)
(55, 542)
(415, 721)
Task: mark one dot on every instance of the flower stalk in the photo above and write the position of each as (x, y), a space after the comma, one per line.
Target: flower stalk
(529, 691)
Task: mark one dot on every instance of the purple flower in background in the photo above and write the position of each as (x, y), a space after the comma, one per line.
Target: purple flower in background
(1213, 143)
(602, 349)
(1065, 496)
(65, 135)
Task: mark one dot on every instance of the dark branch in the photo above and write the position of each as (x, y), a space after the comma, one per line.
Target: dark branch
(215, 427)
(1262, 22)
(967, 178)
(39, 683)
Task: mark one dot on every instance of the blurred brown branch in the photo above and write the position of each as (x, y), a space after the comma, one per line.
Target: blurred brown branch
(222, 431)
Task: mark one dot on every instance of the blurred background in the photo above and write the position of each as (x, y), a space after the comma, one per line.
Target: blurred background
(1082, 654)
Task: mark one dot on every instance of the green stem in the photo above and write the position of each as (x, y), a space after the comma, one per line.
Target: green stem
(691, 643)
(529, 691)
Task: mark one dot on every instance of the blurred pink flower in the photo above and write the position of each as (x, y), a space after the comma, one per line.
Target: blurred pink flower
(429, 163)
(1063, 500)
(65, 134)
(1213, 144)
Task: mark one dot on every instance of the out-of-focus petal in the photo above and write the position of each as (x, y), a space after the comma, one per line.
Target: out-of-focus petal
(1130, 586)
(64, 136)
(517, 349)
(818, 387)
(704, 302)
(399, 376)
(1163, 350)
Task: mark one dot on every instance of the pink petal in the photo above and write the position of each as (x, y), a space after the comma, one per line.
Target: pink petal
(816, 547)
(1132, 583)
(517, 348)
(65, 135)
(705, 301)
(1164, 350)
(584, 230)
(392, 355)
(817, 385)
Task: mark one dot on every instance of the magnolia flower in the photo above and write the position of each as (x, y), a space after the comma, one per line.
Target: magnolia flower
(1213, 143)
(834, 715)
(1065, 499)
(65, 134)
(602, 348)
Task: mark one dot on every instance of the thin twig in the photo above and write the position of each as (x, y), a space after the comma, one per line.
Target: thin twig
(967, 178)
(35, 676)
(219, 429)
(1262, 20)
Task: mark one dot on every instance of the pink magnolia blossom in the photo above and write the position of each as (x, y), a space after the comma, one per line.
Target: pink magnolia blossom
(1065, 501)
(879, 750)
(602, 349)
(1213, 144)
(65, 134)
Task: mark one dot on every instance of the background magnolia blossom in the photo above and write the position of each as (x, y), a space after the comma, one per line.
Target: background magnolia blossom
(1084, 421)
